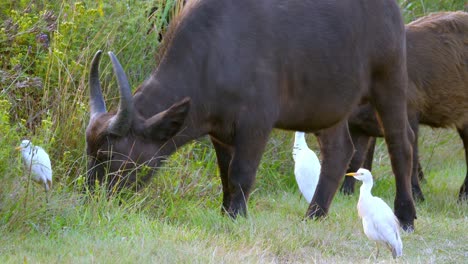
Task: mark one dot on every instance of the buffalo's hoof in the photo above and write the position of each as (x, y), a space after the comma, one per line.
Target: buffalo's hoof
(315, 212)
(463, 194)
(235, 211)
(418, 195)
(463, 197)
(406, 213)
(407, 225)
(409, 228)
(232, 215)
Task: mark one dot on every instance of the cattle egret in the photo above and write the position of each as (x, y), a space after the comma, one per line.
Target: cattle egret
(306, 167)
(37, 162)
(378, 220)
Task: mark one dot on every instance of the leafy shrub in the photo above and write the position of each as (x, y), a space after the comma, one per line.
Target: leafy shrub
(45, 50)
(413, 9)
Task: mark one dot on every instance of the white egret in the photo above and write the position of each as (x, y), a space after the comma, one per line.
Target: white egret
(306, 166)
(378, 220)
(37, 163)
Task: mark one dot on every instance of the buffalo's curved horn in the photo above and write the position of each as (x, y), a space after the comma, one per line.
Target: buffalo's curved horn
(121, 122)
(96, 102)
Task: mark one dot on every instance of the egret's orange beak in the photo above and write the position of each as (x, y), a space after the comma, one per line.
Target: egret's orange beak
(351, 174)
(19, 148)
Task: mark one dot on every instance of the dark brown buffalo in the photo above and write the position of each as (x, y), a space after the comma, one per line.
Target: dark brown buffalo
(236, 69)
(437, 48)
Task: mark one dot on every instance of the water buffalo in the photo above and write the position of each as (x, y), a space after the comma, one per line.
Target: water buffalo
(236, 69)
(437, 48)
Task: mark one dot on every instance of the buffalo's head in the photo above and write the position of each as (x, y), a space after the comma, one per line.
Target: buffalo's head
(122, 147)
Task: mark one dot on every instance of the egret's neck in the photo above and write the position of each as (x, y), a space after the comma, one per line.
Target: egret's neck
(366, 188)
(299, 139)
(28, 151)
(299, 143)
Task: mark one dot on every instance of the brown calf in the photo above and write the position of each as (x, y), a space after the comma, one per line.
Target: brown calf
(437, 48)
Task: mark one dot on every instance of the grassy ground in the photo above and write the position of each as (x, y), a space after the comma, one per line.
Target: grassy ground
(177, 219)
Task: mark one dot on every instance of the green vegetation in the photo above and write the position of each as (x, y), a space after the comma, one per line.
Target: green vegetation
(45, 50)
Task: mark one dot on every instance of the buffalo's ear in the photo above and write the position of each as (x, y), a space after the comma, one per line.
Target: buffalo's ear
(166, 124)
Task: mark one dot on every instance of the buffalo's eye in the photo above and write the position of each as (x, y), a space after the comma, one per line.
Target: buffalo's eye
(105, 154)
(101, 154)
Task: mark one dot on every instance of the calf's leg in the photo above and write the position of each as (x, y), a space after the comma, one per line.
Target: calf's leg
(463, 194)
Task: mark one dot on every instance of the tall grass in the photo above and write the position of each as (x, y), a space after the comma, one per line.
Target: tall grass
(413, 9)
(45, 49)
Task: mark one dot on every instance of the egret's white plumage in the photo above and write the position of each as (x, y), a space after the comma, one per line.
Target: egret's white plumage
(378, 220)
(306, 166)
(37, 162)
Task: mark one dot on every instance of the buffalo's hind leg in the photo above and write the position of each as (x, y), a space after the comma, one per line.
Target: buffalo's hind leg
(463, 195)
(369, 155)
(415, 186)
(389, 99)
(362, 144)
(337, 149)
(224, 157)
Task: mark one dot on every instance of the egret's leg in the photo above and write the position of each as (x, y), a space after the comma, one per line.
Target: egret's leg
(33, 191)
(378, 249)
(46, 193)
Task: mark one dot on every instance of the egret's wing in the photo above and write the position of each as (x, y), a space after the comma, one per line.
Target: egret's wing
(41, 157)
(385, 225)
(49, 183)
(41, 163)
(307, 172)
(41, 173)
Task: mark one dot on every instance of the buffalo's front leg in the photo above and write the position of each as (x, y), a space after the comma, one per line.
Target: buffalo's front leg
(248, 149)
(224, 157)
(337, 149)
(463, 195)
(362, 145)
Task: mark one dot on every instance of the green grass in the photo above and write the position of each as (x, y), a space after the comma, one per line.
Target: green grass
(177, 219)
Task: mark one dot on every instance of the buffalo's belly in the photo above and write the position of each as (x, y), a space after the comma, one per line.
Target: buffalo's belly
(315, 112)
